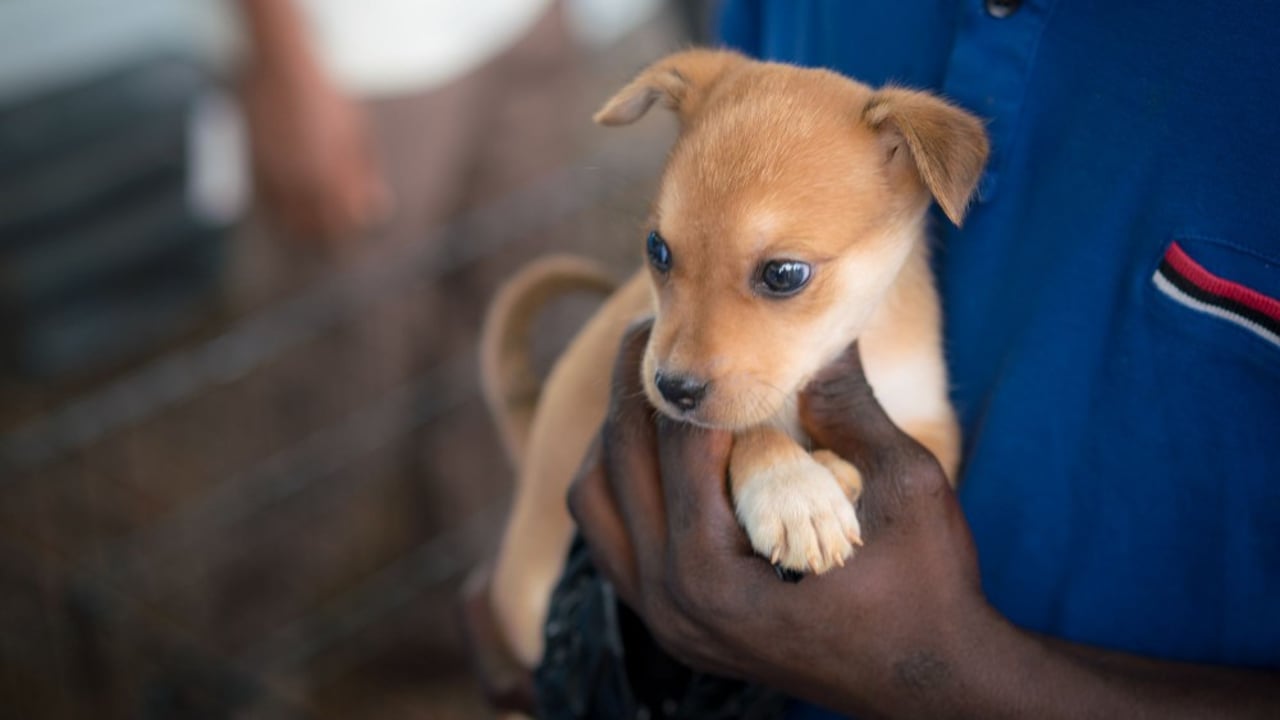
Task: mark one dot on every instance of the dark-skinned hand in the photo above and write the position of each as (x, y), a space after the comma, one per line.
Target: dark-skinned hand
(882, 634)
(902, 631)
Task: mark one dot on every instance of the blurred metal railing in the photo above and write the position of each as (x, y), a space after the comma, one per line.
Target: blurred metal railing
(107, 582)
(256, 339)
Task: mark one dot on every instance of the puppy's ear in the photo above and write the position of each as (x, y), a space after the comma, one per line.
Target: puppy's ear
(681, 81)
(942, 145)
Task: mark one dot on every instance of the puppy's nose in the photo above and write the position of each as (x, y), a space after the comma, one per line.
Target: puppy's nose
(683, 392)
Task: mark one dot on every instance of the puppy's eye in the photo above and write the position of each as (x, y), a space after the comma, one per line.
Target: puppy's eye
(659, 253)
(784, 277)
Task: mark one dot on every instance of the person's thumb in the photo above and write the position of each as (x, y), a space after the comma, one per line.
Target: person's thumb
(840, 412)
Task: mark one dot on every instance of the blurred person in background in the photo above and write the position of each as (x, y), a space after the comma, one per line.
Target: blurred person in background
(341, 96)
(321, 156)
(313, 157)
(370, 126)
(371, 123)
(352, 110)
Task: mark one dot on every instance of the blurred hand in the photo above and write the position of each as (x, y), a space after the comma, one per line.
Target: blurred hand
(311, 154)
(886, 634)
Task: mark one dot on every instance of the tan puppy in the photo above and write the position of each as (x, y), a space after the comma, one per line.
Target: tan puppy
(789, 222)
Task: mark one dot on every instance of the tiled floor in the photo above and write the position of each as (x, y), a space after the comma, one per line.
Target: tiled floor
(270, 518)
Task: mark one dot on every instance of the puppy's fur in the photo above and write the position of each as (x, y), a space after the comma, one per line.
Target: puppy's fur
(772, 162)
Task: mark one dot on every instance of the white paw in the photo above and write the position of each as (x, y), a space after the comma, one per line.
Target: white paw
(798, 516)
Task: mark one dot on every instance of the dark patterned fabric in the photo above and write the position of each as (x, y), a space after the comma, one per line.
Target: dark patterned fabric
(600, 662)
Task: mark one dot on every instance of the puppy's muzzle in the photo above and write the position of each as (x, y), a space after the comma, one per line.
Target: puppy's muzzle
(681, 391)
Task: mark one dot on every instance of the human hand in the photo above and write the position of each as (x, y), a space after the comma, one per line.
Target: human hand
(312, 162)
(892, 633)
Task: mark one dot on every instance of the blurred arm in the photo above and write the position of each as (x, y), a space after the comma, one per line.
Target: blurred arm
(311, 153)
(277, 35)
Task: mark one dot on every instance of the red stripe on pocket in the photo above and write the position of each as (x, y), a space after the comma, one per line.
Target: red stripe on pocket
(1191, 270)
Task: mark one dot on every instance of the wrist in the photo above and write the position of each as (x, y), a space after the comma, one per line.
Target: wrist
(1008, 672)
(947, 669)
(960, 670)
(988, 658)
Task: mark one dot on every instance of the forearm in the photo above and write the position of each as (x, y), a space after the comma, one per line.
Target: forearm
(277, 35)
(1008, 672)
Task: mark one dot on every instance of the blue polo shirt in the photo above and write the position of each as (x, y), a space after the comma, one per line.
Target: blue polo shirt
(1112, 302)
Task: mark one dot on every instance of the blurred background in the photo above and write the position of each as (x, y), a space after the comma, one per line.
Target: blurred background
(245, 248)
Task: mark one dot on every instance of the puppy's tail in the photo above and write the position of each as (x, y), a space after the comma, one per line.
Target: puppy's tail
(507, 377)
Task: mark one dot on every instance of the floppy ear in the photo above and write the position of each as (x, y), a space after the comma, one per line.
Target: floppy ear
(681, 81)
(944, 146)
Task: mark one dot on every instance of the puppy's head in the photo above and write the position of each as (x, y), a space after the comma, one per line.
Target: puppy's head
(789, 203)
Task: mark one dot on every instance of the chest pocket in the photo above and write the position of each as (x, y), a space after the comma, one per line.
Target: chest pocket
(1222, 293)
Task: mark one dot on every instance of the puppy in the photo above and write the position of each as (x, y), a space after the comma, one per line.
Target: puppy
(790, 221)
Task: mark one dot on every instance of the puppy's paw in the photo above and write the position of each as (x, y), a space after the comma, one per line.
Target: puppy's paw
(845, 473)
(798, 515)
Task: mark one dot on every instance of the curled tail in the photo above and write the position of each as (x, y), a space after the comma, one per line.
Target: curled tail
(507, 377)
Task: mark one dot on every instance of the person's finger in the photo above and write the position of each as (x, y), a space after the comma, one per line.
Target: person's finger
(840, 412)
(593, 507)
(695, 463)
(630, 449)
(711, 570)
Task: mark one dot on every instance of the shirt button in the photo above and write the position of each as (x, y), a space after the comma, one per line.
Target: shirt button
(1002, 8)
